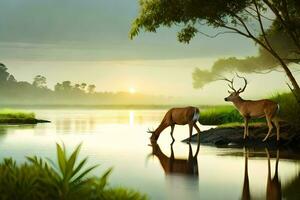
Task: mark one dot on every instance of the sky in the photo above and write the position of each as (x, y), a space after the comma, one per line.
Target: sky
(87, 41)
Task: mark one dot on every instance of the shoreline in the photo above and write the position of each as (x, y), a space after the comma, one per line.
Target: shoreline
(232, 137)
(22, 121)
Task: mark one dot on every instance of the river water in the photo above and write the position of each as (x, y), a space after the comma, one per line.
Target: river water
(117, 138)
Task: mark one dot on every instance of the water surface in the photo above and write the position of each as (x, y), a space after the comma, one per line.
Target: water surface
(117, 138)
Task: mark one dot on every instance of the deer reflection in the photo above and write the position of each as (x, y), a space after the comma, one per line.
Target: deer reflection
(172, 165)
(273, 184)
(273, 190)
(246, 188)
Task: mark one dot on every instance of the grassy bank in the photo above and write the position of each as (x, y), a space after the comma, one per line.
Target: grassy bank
(65, 179)
(228, 115)
(17, 117)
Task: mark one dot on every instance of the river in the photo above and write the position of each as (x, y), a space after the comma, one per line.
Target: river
(117, 138)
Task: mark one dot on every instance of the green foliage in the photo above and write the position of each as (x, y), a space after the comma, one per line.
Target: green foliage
(13, 116)
(289, 108)
(67, 179)
(154, 14)
(220, 115)
(278, 37)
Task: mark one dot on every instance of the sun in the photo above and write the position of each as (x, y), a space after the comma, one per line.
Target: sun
(132, 90)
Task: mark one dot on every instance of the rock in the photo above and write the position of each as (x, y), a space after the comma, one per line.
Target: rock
(233, 137)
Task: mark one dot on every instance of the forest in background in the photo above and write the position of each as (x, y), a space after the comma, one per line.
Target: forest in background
(14, 92)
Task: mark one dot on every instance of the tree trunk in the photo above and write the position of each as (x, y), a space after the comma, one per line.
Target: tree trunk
(296, 88)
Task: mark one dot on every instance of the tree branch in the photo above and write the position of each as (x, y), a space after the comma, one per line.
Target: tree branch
(217, 34)
(278, 15)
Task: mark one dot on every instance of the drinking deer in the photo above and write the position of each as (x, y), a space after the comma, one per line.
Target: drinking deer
(254, 109)
(177, 116)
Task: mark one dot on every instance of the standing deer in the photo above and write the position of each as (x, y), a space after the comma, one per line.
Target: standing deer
(254, 109)
(177, 116)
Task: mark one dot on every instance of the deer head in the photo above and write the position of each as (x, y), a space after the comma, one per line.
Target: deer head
(154, 136)
(235, 94)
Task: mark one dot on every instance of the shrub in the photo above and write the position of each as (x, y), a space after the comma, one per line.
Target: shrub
(66, 179)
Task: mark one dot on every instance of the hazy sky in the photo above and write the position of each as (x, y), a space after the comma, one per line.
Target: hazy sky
(87, 41)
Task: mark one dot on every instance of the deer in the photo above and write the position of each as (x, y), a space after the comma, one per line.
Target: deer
(273, 184)
(172, 165)
(177, 116)
(273, 188)
(246, 186)
(250, 109)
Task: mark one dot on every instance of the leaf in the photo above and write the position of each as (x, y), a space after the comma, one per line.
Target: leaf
(61, 158)
(79, 166)
(71, 162)
(84, 173)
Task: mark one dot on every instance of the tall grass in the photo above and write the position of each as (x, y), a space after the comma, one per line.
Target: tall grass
(65, 179)
(219, 115)
(7, 113)
(289, 109)
(14, 116)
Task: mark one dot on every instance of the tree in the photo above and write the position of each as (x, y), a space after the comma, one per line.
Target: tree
(83, 86)
(4, 75)
(91, 89)
(241, 17)
(58, 87)
(66, 86)
(39, 81)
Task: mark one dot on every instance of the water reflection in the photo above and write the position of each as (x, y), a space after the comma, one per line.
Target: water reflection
(273, 187)
(170, 164)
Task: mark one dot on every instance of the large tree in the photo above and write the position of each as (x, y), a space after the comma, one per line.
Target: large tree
(256, 20)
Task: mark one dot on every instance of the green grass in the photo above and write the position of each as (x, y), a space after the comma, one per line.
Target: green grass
(66, 179)
(220, 115)
(16, 117)
(229, 116)
(289, 109)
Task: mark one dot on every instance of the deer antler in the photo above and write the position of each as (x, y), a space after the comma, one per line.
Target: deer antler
(246, 83)
(230, 84)
(149, 131)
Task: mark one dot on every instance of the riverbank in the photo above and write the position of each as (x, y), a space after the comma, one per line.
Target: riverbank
(233, 137)
(230, 130)
(19, 117)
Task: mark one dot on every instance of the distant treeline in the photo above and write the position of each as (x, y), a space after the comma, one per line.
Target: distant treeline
(14, 92)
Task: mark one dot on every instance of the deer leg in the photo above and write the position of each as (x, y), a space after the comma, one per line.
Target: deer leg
(269, 164)
(190, 152)
(276, 123)
(172, 152)
(277, 161)
(246, 119)
(191, 131)
(198, 130)
(172, 130)
(270, 128)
